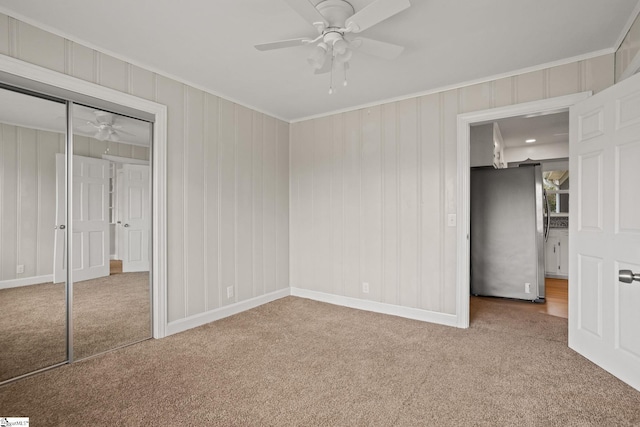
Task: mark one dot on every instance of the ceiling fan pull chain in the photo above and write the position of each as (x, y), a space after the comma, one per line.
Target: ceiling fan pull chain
(344, 65)
(331, 76)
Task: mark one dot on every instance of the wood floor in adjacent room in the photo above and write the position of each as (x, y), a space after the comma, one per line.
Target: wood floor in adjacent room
(556, 301)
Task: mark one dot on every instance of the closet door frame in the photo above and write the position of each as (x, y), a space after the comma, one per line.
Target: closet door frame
(20, 74)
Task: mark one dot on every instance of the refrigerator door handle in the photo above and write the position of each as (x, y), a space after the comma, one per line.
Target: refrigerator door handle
(547, 224)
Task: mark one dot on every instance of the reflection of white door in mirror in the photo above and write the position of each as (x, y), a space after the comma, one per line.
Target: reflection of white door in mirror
(119, 214)
(136, 218)
(90, 218)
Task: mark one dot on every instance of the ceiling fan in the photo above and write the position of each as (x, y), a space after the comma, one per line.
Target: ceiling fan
(335, 21)
(105, 127)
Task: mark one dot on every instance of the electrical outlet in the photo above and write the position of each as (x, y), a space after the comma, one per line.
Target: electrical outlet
(365, 287)
(230, 292)
(19, 269)
(451, 220)
(527, 288)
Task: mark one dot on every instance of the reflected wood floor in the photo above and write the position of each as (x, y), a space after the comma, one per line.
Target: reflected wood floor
(556, 301)
(115, 267)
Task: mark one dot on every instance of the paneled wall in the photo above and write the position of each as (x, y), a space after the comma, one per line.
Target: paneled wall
(371, 189)
(27, 200)
(228, 174)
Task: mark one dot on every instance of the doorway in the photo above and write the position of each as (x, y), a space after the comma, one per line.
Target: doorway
(465, 121)
(534, 248)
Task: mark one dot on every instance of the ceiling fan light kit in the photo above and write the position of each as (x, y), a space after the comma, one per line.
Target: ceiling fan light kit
(334, 20)
(318, 57)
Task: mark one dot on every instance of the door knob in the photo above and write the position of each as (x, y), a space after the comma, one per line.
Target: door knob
(126, 225)
(62, 227)
(628, 276)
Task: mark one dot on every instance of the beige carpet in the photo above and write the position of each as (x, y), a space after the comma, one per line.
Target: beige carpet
(108, 312)
(301, 362)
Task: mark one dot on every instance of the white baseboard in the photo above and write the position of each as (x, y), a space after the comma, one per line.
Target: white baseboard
(222, 312)
(373, 306)
(26, 281)
(379, 307)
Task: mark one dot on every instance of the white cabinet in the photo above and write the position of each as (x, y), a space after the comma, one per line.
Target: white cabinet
(487, 146)
(556, 262)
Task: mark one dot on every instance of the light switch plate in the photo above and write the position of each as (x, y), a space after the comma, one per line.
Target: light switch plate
(451, 220)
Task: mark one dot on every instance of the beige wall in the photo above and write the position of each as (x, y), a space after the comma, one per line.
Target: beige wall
(228, 174)
(371, 189)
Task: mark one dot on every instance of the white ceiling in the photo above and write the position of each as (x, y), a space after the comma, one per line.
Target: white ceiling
(545, 129)
(210, 44)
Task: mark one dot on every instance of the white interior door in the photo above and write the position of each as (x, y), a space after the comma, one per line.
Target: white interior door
(59, 250)
(90, 219)
(604, 313)
(119, 212)
(136, 219)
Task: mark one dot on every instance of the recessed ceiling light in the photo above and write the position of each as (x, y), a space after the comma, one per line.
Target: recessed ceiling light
(530, 141)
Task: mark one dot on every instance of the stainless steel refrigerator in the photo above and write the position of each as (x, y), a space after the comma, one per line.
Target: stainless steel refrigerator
(508, 227)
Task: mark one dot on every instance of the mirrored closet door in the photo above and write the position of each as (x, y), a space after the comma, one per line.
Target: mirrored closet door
(75, 232)
(33, 320)
(111, 231)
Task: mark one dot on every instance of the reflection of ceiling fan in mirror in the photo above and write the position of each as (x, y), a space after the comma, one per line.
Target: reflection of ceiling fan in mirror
(105, 127)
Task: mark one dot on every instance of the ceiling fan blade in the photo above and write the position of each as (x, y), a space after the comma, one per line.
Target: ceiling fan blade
(85, 125)
(282, 44)
(121, 131)
(308, 11)
(376, 12)
(377, 48)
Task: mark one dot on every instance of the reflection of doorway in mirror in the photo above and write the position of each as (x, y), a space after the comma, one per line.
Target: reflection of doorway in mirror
(132, 216)
(136, 218)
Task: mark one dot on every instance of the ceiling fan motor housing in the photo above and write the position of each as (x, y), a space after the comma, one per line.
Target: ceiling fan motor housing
(336, 12)
(103, 117)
